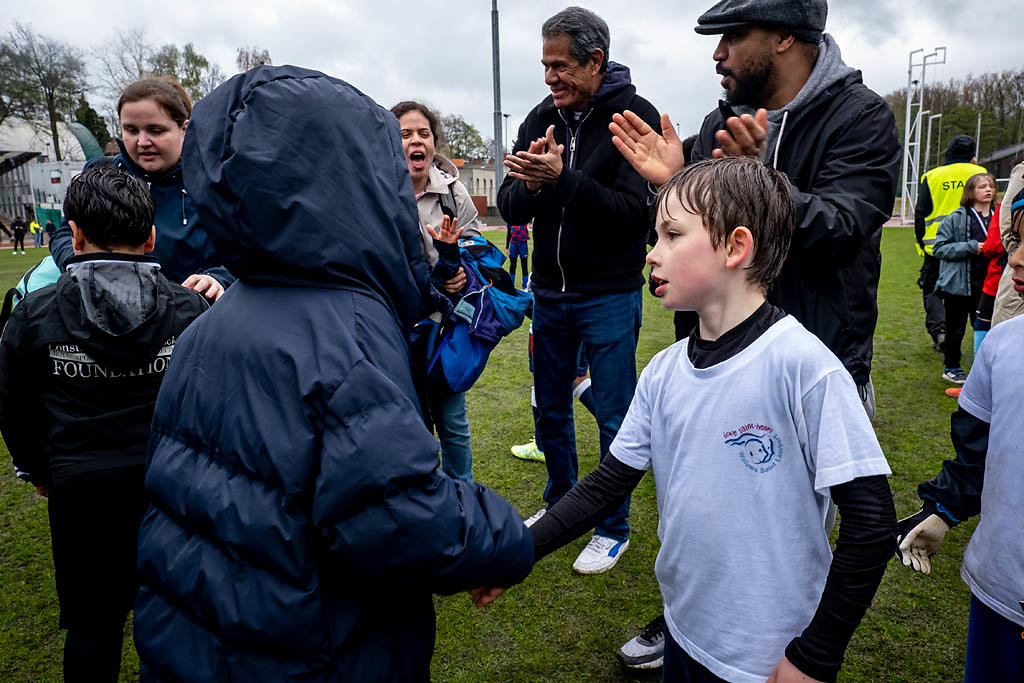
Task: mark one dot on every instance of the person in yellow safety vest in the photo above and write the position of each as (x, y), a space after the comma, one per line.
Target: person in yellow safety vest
(37, 232)
(938, 196)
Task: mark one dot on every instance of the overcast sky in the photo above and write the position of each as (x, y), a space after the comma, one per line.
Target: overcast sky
(440, 52)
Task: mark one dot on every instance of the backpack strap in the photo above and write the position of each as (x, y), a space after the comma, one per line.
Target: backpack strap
(448, 206)
(5, 312)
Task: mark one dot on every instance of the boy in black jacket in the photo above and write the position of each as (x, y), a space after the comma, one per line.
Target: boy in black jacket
(92, 349)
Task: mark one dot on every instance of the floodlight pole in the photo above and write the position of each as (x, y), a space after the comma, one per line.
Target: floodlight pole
(912, 127)
(928, 142)
(499, 146)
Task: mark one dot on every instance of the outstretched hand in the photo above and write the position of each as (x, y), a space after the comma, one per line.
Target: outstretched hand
(655, 157)
(540, 165)
(206, 285)
(786, 672)
(485, 595)
(745, 137)
(448, 232)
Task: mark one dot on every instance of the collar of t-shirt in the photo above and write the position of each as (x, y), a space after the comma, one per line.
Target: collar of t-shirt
(704, 353)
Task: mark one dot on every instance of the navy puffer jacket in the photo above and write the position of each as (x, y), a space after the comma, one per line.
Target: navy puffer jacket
(299, 521)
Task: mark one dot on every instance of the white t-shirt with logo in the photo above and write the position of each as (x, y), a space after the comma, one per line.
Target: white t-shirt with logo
(744, 453)
(994, 562)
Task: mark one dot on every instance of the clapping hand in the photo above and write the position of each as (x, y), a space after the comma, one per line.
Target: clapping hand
(655, 157)
(745, 137)
(540, 165)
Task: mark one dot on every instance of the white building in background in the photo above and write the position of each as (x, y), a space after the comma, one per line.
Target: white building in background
(478, 177)
(30, 177)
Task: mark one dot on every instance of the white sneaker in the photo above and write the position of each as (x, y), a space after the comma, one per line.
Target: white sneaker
(600, 555)
(537, 515)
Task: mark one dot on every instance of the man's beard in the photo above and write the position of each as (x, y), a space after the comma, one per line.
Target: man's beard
(753, 86)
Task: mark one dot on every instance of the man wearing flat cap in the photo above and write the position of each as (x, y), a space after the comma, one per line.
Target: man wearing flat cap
(791, 101)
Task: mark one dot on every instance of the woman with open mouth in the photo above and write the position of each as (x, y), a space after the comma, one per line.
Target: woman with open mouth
(443, 202)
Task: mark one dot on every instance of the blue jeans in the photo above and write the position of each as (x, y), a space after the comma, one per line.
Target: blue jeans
(449, 411)
(608, 325)
(995, 646)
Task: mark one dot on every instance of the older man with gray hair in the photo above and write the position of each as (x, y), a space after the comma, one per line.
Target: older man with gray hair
(590, 224)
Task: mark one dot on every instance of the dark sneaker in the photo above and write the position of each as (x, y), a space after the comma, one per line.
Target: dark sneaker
(954, 375)
(647, 650)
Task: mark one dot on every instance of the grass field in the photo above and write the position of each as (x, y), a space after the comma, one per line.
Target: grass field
(559, 626)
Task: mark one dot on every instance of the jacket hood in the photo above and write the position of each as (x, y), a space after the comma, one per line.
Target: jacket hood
(108, 303)
(299, 179)
(442, 173)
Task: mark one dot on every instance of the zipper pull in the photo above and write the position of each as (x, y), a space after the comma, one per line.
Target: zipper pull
(572, 144)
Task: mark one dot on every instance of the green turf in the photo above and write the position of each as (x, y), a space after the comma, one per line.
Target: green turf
(558, 626)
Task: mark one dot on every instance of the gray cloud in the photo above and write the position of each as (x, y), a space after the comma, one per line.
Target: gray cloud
(442, 52)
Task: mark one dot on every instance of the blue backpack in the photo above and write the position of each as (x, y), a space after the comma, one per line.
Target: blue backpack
(490, 309)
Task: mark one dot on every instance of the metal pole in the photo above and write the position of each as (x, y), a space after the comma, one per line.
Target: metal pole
(506, 128)
(907, 172)
(499, 146)
(977, 138)
(928, 143)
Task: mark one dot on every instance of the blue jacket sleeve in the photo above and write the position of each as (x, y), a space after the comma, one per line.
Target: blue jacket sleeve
(61, 248)
(947, 247)
(387, 513)
(956, 492)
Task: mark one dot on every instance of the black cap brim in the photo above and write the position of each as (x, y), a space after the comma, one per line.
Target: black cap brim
(715, 29)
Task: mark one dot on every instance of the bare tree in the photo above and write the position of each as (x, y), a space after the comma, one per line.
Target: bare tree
(48, 72)
(123, 58)
(249, 57)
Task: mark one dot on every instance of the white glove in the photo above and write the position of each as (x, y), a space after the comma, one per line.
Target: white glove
(920, 536)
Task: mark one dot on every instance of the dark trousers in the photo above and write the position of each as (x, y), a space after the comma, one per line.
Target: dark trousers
(19, 240)
(607, 325)
(94, 528)
(934, 315)
(958, 310)
(995, 646)
(680, 667)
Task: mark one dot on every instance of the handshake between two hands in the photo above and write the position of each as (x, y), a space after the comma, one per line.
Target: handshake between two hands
(485, 595)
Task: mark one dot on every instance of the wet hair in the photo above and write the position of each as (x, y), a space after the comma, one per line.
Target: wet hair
(967, 199)
(406, 106)
(111, 207)
(737, 191)
(586, 31)
(165, 91)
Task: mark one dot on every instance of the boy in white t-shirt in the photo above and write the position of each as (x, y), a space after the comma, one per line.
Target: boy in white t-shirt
(986, 477)
(750, 426)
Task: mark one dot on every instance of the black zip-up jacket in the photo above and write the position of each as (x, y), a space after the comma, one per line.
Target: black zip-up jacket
(590, 227)
(81, 362)
(842, 156)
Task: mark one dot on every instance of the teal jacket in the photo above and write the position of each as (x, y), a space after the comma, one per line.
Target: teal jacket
(954, 249)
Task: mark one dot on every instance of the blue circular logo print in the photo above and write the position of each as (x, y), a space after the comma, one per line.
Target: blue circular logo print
(760, 450)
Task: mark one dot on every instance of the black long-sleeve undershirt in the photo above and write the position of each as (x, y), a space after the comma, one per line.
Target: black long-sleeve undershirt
(866, 535)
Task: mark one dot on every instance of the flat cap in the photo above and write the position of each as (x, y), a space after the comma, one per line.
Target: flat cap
(804, 18)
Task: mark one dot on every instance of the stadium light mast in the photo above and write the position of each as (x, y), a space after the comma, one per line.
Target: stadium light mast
(912, 126)
(499, 145)
(928, 142)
